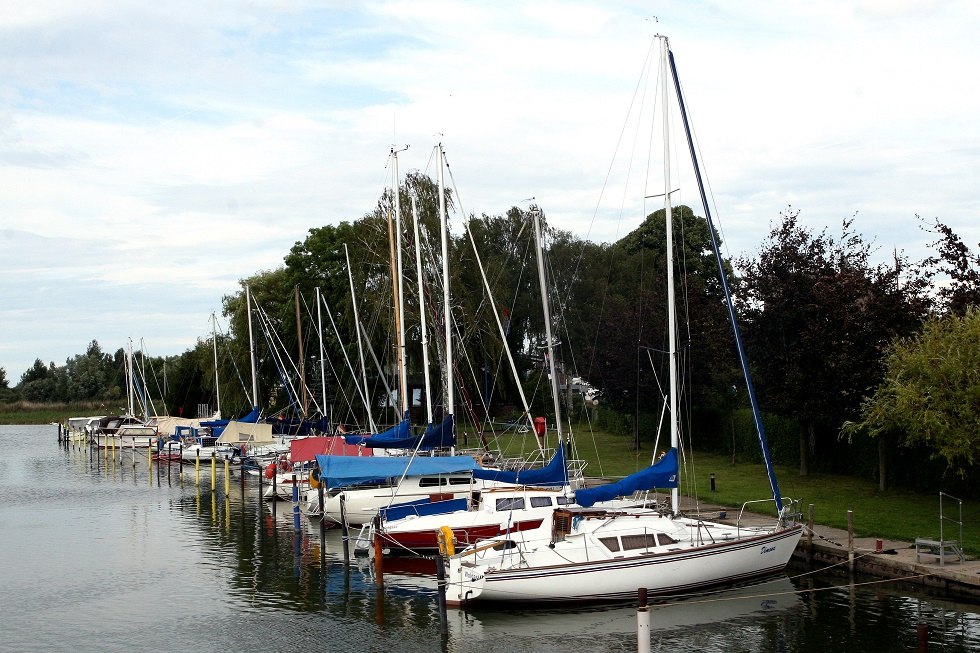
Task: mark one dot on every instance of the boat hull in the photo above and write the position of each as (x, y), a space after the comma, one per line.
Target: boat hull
(681, 570)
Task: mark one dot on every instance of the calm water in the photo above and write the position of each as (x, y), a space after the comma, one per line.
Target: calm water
(105, 558)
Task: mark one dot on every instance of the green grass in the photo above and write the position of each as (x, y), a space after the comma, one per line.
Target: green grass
(24, 412)
(895, 514)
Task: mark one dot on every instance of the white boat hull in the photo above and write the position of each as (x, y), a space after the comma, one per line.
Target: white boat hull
(576, 569)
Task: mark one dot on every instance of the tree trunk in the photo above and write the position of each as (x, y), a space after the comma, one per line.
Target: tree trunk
(882, 467)
(804, 449)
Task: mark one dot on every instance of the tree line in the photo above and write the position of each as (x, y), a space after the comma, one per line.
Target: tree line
(861, 366)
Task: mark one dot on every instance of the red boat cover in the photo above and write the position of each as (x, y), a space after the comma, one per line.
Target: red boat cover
(305, 449)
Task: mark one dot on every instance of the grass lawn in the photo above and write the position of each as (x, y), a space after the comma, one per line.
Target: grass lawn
(895, 514)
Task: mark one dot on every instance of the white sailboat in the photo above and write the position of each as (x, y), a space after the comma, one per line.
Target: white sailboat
(587, 553)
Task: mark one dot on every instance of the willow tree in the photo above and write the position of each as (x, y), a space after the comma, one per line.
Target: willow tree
(931, 392)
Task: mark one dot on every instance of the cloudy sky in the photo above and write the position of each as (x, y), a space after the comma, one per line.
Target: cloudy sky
(153, 154)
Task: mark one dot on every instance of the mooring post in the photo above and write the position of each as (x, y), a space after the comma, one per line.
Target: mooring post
(379, 563)
(323, 518)
(344, 535)
(441, 594)
(642, 622)
(850, 541)
(922, 632)
(227, 477)
(809, 535)
(214, 472)
(296, 522)
(197, 467)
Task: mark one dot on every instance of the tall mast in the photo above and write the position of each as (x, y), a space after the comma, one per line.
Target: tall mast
(130, 381)
(422, 325)
(360, 348)
(552, 369)
(447, 313)
(251, 349)
(671, 299)
(743, 359)
(323, 371)
(214, 341)
(398, 286)
(302, 359)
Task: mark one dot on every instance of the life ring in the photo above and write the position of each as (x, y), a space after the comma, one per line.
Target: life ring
(315, 478)
(447, 540)
(270, 470)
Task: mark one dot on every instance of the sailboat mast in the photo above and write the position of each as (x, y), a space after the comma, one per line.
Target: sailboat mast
(251, 349)
(743, 359)
(360, 348)
(447, 312)
(130, 391)
(302, 359)
(398, 285)
(422, 325)
(552, 369)
(214, 341)
(323, 371)
(671, 298)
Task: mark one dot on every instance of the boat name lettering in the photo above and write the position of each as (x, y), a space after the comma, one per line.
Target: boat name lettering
(768, 549)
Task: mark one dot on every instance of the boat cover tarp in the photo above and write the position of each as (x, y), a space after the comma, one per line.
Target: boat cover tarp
(554, 473)
(341, 471)
(435, 437)
(238, 432)
(422, 507)
(306, 449)
(662, 474)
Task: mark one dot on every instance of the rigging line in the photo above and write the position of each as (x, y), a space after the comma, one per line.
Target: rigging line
(639, 92)
(707, 181)
(641, 81)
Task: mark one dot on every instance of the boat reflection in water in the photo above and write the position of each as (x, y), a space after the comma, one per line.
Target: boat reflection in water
(710, 609)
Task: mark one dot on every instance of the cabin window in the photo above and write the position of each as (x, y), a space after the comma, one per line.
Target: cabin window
(510, 503)
(666, 539)
(643, 541)
(459, 480)
(540, 502)
(611, 543)
(430, 481)
(564, 501)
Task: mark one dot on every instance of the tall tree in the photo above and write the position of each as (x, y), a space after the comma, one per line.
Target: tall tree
(819, 315)
(957, 266)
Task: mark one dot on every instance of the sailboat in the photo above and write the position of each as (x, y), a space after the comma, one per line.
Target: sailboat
(588, 553)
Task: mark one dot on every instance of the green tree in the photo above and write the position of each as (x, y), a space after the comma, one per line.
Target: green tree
(39, 383)
(930, 394)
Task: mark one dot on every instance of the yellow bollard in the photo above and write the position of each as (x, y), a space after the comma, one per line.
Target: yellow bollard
(197, 468)
(214, 472)
(227, 477)
(149, 455)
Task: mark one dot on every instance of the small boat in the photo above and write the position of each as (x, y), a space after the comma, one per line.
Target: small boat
(124, 432)
(488, 513)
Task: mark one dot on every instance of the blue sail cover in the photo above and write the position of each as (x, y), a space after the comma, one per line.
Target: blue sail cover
(218, 425)
(554, 473)
(662, 474)
(397, 437)
(341, 471)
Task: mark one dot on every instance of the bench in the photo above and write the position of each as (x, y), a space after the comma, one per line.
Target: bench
(937, 548)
